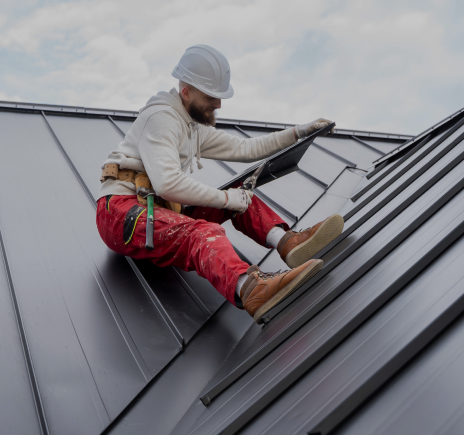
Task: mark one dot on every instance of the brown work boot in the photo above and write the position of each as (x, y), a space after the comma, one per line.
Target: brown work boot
(263, 291)
(295, 248)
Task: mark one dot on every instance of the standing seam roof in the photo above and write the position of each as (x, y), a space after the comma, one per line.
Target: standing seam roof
(94, 331)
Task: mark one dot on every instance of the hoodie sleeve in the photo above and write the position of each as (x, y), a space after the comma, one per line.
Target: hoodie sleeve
(218, 144)
(160, 156)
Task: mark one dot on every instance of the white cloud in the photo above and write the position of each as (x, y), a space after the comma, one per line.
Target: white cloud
(8, 97)
(366, 64)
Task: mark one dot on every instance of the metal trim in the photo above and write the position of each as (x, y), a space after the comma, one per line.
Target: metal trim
(92, 112)
(407, 167)
(419, 136)
(384, 221)
(41, 416)
(304, 317)
(377, 169)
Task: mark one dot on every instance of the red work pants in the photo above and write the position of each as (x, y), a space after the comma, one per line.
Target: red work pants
(195, 241)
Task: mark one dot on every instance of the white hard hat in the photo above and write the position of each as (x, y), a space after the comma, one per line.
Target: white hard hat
(206, 69)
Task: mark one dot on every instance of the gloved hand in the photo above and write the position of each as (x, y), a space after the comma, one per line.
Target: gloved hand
(304, 130)
(238, 200)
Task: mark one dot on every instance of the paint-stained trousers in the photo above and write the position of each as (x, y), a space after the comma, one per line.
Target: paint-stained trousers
(195, 241)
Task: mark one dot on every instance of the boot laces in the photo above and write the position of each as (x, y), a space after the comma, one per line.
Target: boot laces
(266, 275)
(300, 231)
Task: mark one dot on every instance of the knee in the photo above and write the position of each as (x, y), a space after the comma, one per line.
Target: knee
(210, 229)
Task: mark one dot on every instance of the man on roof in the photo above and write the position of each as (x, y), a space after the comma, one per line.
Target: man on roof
(172, 130)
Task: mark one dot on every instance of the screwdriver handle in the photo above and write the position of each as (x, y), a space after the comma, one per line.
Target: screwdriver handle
(150, 224)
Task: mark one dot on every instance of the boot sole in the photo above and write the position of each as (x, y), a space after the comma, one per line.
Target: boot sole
(294, 284)
(328, 231)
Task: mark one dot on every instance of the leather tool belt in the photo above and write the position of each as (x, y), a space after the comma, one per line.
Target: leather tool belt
(111, 171)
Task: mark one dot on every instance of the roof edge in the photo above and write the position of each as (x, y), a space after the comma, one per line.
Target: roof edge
(89, 111)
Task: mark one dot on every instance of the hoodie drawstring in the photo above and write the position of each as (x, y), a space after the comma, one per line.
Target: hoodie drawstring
(194, 127)
(199, 165)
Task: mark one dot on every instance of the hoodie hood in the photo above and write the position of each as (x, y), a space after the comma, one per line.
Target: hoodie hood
(171, 99)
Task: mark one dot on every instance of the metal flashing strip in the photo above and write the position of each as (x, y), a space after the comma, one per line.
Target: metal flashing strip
(68, 110)
(419, 137)
(315, 308)
(132, 115)
(377, 169)
(407, 167)
(367, 145)
(150, 293)
(377, 227)
(41, 416)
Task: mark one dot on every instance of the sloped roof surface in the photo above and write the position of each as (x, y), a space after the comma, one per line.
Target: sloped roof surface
(92, 340)
(391, 283)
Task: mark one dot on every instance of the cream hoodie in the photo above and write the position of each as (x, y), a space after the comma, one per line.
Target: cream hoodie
(164, 140)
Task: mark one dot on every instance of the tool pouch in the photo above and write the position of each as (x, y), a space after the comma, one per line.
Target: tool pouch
(110, 170)
(130, 221)
(142, 180)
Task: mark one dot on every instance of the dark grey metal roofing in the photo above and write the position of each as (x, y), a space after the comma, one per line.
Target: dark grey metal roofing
(91, 340)
(391, 283)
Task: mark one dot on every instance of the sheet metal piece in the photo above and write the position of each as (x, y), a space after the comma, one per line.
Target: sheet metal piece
(281, 163)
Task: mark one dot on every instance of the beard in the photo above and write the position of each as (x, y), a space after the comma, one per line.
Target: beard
(201, 115)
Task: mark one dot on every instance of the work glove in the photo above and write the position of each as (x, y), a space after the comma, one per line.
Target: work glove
(238, 200)
(305, 130)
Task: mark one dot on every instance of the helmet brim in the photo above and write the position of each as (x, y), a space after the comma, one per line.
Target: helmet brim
(222, 95)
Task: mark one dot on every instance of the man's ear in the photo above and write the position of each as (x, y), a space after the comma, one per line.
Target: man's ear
(186, 94)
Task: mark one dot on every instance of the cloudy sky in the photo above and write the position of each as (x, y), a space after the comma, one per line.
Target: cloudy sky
(384, 65)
